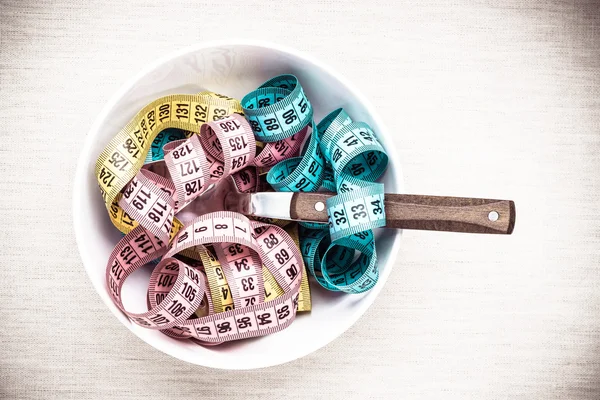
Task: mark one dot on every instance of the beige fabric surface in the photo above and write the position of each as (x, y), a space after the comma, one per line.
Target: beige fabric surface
(487, 98)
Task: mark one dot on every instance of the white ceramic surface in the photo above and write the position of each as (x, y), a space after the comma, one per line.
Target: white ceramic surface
(233, 68)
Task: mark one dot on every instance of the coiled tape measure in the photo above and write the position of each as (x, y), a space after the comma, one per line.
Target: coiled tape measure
(223, 276)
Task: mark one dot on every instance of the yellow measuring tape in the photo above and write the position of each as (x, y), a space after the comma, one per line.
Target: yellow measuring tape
(125, 154)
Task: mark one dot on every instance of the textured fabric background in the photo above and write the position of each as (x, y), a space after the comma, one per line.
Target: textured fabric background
(487, 98)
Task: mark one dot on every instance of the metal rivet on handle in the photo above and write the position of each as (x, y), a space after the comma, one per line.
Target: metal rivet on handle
(493, 216)
(319, 206)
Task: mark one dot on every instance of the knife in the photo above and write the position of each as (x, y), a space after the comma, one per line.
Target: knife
(403, 211)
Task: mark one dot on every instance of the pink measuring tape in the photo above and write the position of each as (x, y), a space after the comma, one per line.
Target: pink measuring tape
(185, 287)
(179, 290)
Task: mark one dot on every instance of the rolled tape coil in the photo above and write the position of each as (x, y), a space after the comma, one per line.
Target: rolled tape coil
(188, 288)
(356, 159)
(222, 298)
(340, 155)
(277, 109)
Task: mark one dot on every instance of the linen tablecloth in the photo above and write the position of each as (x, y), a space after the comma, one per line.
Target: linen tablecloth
(485, 99)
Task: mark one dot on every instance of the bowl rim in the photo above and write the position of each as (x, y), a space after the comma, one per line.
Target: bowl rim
(81, 175)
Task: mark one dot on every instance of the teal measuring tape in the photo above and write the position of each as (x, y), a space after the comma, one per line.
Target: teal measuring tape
(277, 110)
(156, 148)
(357, 159)
(342, 156)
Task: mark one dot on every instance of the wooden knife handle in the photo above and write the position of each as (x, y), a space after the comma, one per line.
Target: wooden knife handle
(435, 213)
(455, 214)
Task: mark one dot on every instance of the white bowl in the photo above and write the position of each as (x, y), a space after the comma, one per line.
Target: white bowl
(232, 68)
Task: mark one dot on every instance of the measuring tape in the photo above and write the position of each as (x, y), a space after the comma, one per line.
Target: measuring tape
(187, 285)
(251, 254)
(221, 295)
(277, 109)
(125, 154)
(168, 135)
(223, 276)
(342, 156)
(356, 159)
(262, 264)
